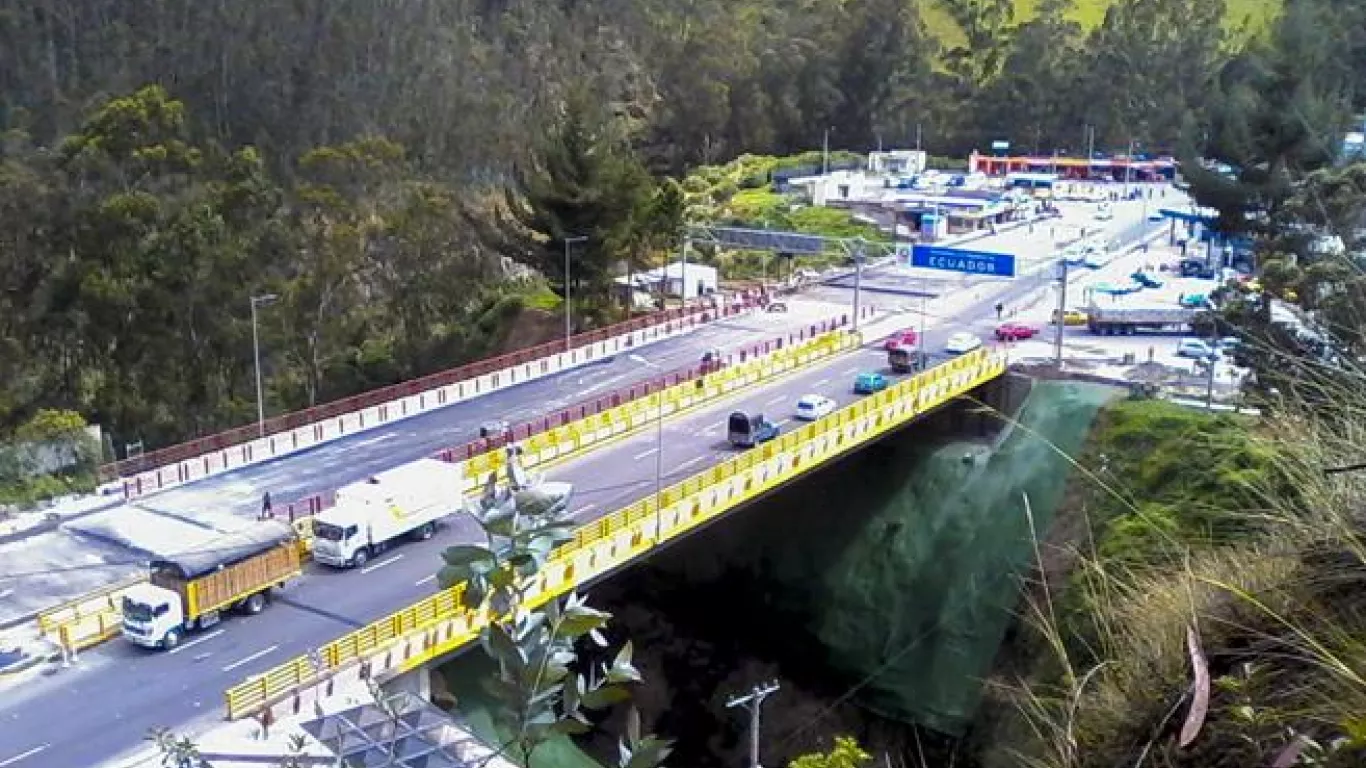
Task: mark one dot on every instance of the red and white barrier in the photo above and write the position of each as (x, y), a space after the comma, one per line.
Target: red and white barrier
(226, 452)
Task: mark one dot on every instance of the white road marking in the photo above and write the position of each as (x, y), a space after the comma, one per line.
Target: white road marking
(6, 594)
(643, 454)
(784, 422)
(773, 400)
(584, 508)
(247, 660)
(425, 580)
(855, 369)
(198, 640)
(381, 564)
(691, 462)
(822, 382)
(22, 755)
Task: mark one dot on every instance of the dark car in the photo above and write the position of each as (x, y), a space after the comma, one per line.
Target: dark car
(746, 431)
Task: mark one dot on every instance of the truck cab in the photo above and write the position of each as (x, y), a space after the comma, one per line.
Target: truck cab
(151, 614)
(341, 537)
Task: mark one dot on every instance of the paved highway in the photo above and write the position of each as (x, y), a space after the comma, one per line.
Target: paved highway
(79, 717)
(38, 569)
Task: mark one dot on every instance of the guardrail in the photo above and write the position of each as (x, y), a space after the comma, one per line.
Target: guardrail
(94, 618)
(593, 430)
(180, 464)
(315, 503)
(439, 624)
(85, 621)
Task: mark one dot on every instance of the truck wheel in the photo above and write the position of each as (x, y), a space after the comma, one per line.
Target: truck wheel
(362, 555)
(425, 532)
(171, 639)
(254, 604)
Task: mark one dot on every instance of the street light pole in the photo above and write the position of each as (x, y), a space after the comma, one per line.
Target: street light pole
(568, 309)
(1061, 318)
(259, 301)
(858, 278)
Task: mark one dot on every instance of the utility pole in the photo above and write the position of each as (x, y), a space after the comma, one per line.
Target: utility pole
(568, 308)
(858, 278)
(1090, 134)
(259, 301)
(1128, 168)
(754, 701)
(917, 137)
(1209, 383)
(1061, 319)
(825, 154)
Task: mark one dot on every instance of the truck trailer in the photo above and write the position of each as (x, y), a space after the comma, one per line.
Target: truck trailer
(1130, 319)
(368, 516)
(190, 590)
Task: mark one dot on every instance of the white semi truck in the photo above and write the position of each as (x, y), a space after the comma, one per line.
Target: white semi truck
(406, 501)
(1136, 318)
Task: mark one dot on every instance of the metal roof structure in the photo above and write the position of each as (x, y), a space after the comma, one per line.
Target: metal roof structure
(412, 733)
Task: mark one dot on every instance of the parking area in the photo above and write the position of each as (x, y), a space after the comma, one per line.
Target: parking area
(1149, 356)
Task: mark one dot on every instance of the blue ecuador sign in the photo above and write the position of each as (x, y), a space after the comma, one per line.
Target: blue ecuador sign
(958, 260)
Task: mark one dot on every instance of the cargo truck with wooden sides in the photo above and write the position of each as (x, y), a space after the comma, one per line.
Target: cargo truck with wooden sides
(191, 590)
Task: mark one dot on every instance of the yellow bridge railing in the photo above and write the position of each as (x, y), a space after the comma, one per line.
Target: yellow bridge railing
(439, 624)
(94, 618)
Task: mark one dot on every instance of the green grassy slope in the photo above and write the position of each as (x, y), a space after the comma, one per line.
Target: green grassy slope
(1090, 13)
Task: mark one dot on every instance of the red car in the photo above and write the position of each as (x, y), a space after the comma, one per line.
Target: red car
(904, 338)
(1015, 332)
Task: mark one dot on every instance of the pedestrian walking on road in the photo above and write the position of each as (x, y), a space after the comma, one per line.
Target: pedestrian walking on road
(266, 512)
(999, 309)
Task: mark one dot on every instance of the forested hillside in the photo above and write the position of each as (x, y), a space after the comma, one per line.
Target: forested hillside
(162, 162)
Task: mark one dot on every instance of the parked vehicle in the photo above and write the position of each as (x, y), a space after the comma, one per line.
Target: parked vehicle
(1015, 332)
(1109, 289)
(1127, 319)
(812, 407)
(1196, 348)
(906, 360)
(869, 383)
(1146, 280)
(962, 342)
(406, 501)
(746, 431)
(1070, 317)
(1195, 301)
(1196, 268)
(191, 590)
(906, 337)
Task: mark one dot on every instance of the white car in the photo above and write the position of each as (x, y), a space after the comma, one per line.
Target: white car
(962, 342)
(812, 407)
(1195, 348)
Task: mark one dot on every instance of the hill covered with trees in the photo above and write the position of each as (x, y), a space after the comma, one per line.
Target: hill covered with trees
(164, 161)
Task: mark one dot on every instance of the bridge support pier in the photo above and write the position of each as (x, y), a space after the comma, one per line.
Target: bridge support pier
(417, 682)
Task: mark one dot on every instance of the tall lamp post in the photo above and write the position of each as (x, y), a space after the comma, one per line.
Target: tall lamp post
(568, 328)
(259, 301)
